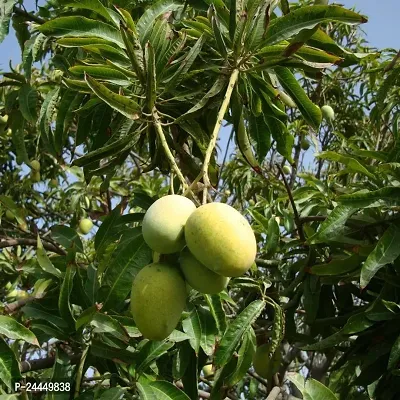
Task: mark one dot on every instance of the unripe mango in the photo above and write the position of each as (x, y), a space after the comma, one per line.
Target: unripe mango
(164, 221)
(208, 370)
(264, 364)
(35, 176)
(200, 277)
(157, 300)
(35, 165)
(221, 239)
(85, 225)
(287, 169)
(305, 144)
(328, 113)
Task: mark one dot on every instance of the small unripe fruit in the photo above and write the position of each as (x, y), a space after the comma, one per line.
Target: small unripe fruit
(328, 113)
(208, 370)
(287, 169)
(35, 165)
(35, 176)
(54, 183)
(10, 215)
(305, 144)
(263, 363)
(221, 239)
(164, 221)
(200, 277)
(158, 299)
(85, 226)
(3, 119)
(227, 192)
(252, 202)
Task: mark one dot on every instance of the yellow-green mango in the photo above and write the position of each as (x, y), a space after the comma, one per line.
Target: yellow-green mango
(221, 239)
(328, 113)
(85, 225)
(35, 165)
(164, 222)
(157, 300)
(200, 277)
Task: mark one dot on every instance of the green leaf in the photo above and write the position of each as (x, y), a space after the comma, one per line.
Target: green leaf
(150, 352)
(245, 357)
(311, 113)
(338, 266)
(114, 393)
(260, 133)
(18, 137)
(67, 237)
(104, 323)
(351, 163)
(209, 331)
(78, 26)
(9, 369)
(12, 329)
(284, 139)
(311, 389)
(235, 331)
(36, 311)
(65, 292)
(123, 104)
(44, 260)
(307, 18)
(192, 327)
(385, 252)
(28, 98)
(215, 306)
(273, 236)
(387, 196)
(102, 72)
(394, 357)
(333, 224)
(131, 256)
(93, 5)
(185, 65)
(160, 390)
(147, 20)
(6, 9)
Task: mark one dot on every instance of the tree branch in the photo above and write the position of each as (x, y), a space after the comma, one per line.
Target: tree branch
(296, 214)
(11, 242)
(28, 16)
(44, 363)
(274, 393)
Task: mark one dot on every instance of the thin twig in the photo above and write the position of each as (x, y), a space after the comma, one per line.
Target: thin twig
(11, 242)
(79, 373)
(291, 199)
(163, 140)
(214, 136)
(28, 16)
(44, 363)
(392, 63)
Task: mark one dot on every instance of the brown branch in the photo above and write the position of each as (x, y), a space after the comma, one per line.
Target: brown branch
(258, 378)
(44, 363)
(16, 305)
(274, 393)
(202, 394)
(291, 199)
(392, 63)
(28, 16)
(11, 242)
